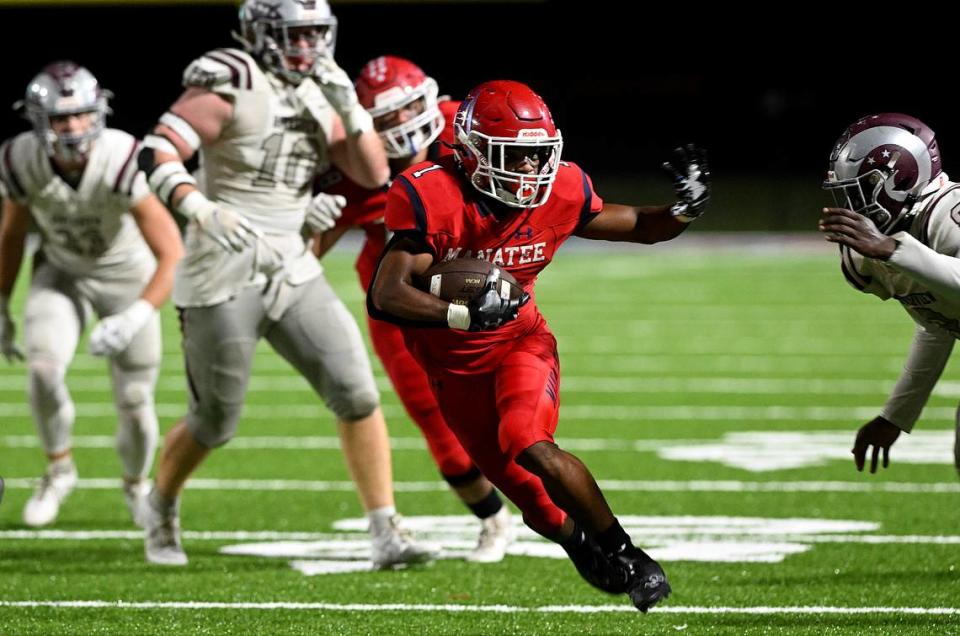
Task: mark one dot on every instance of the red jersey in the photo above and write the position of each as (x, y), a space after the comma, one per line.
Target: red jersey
(434, 201)
(365, 208)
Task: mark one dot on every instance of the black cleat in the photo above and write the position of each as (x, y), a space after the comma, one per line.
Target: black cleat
(595, 568)
(648, 586)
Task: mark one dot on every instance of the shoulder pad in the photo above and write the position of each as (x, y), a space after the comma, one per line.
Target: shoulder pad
(221, 71)
(14, 154)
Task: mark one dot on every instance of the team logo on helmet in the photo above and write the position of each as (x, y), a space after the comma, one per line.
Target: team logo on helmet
(880, 166)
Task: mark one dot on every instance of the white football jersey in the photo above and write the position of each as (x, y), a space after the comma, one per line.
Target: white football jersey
(266, 158)
(923, 274)
(919, 273)
(262, 167)
(87, 230)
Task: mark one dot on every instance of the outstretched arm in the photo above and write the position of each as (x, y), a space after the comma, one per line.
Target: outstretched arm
(648, 224)
(651, 224)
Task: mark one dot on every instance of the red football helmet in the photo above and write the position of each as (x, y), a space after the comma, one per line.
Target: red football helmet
(403, 103)
(507, 143)
(881, 164)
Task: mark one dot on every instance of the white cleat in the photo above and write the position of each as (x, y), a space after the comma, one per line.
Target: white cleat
(135, 496)
(162, 536)
(395, 548)
(58, 482)
(496, 533)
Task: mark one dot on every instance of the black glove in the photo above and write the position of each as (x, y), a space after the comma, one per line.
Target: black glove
(691, 179)
(879, 433)
(488, 310)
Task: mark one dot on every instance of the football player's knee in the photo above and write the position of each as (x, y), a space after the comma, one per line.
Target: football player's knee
(135, 404)
(451, 459)
(214, 426)
(46, 377)
(542, 458)
(355, 404)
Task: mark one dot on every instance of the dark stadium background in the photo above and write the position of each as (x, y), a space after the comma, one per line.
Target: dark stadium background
(766, 92)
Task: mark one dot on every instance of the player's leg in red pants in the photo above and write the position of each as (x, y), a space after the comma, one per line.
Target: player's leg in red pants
(498, 415)
(413, 388)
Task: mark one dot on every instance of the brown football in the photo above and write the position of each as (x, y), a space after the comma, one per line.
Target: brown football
(460, 280)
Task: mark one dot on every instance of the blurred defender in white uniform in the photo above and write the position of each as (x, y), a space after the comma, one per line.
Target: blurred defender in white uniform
(265, 120)
(108, 248)
(898, 227)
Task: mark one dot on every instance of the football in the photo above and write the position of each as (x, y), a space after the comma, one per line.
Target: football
(460, 280)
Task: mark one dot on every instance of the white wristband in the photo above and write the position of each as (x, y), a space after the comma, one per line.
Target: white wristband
(139, 313)
(458, 317)
(357, 121)
(195, 204)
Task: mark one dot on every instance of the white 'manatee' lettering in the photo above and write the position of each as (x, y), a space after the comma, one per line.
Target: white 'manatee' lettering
(530, 253)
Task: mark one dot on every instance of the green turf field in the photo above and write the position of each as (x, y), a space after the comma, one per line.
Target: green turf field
(713, 392)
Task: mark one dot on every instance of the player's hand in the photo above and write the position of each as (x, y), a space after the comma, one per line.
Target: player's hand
(857, 232)
(337, 87)
(690, 174)
(113, 334)
(324, 210)
(231, 230)
(879, 433)
(489, 310)
(8, 334)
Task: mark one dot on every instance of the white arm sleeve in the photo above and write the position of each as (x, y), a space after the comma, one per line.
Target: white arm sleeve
(928, 356)
(938, 272)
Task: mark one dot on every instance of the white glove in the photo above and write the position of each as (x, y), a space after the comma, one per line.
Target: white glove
(8, 333)
(226, 227)
(324, 210)
(113, 334)
(336, 86)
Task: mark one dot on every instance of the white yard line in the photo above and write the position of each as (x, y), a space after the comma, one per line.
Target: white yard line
(689, 534)
(569, 385)
(581, 412)
(297, 485)
(276, 442)
(491, 609)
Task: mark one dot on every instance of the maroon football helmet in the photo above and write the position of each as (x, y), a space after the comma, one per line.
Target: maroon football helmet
(499, 125)
(880, 165)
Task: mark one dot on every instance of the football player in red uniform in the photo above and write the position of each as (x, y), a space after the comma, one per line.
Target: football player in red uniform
(506, 197)
(414, 126)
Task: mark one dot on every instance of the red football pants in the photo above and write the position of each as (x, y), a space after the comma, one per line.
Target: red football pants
(413, 387)
(498, 415)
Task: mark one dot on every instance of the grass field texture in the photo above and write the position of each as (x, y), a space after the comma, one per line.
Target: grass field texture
(713, 391)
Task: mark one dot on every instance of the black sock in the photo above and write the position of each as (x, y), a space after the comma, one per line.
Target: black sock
(575, 541)
(613, 539)
(488, 506)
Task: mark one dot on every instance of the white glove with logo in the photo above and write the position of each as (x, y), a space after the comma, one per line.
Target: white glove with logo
(226, 227)
(340, 92)
(8, 333)
(324, 210)
(113, 334)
